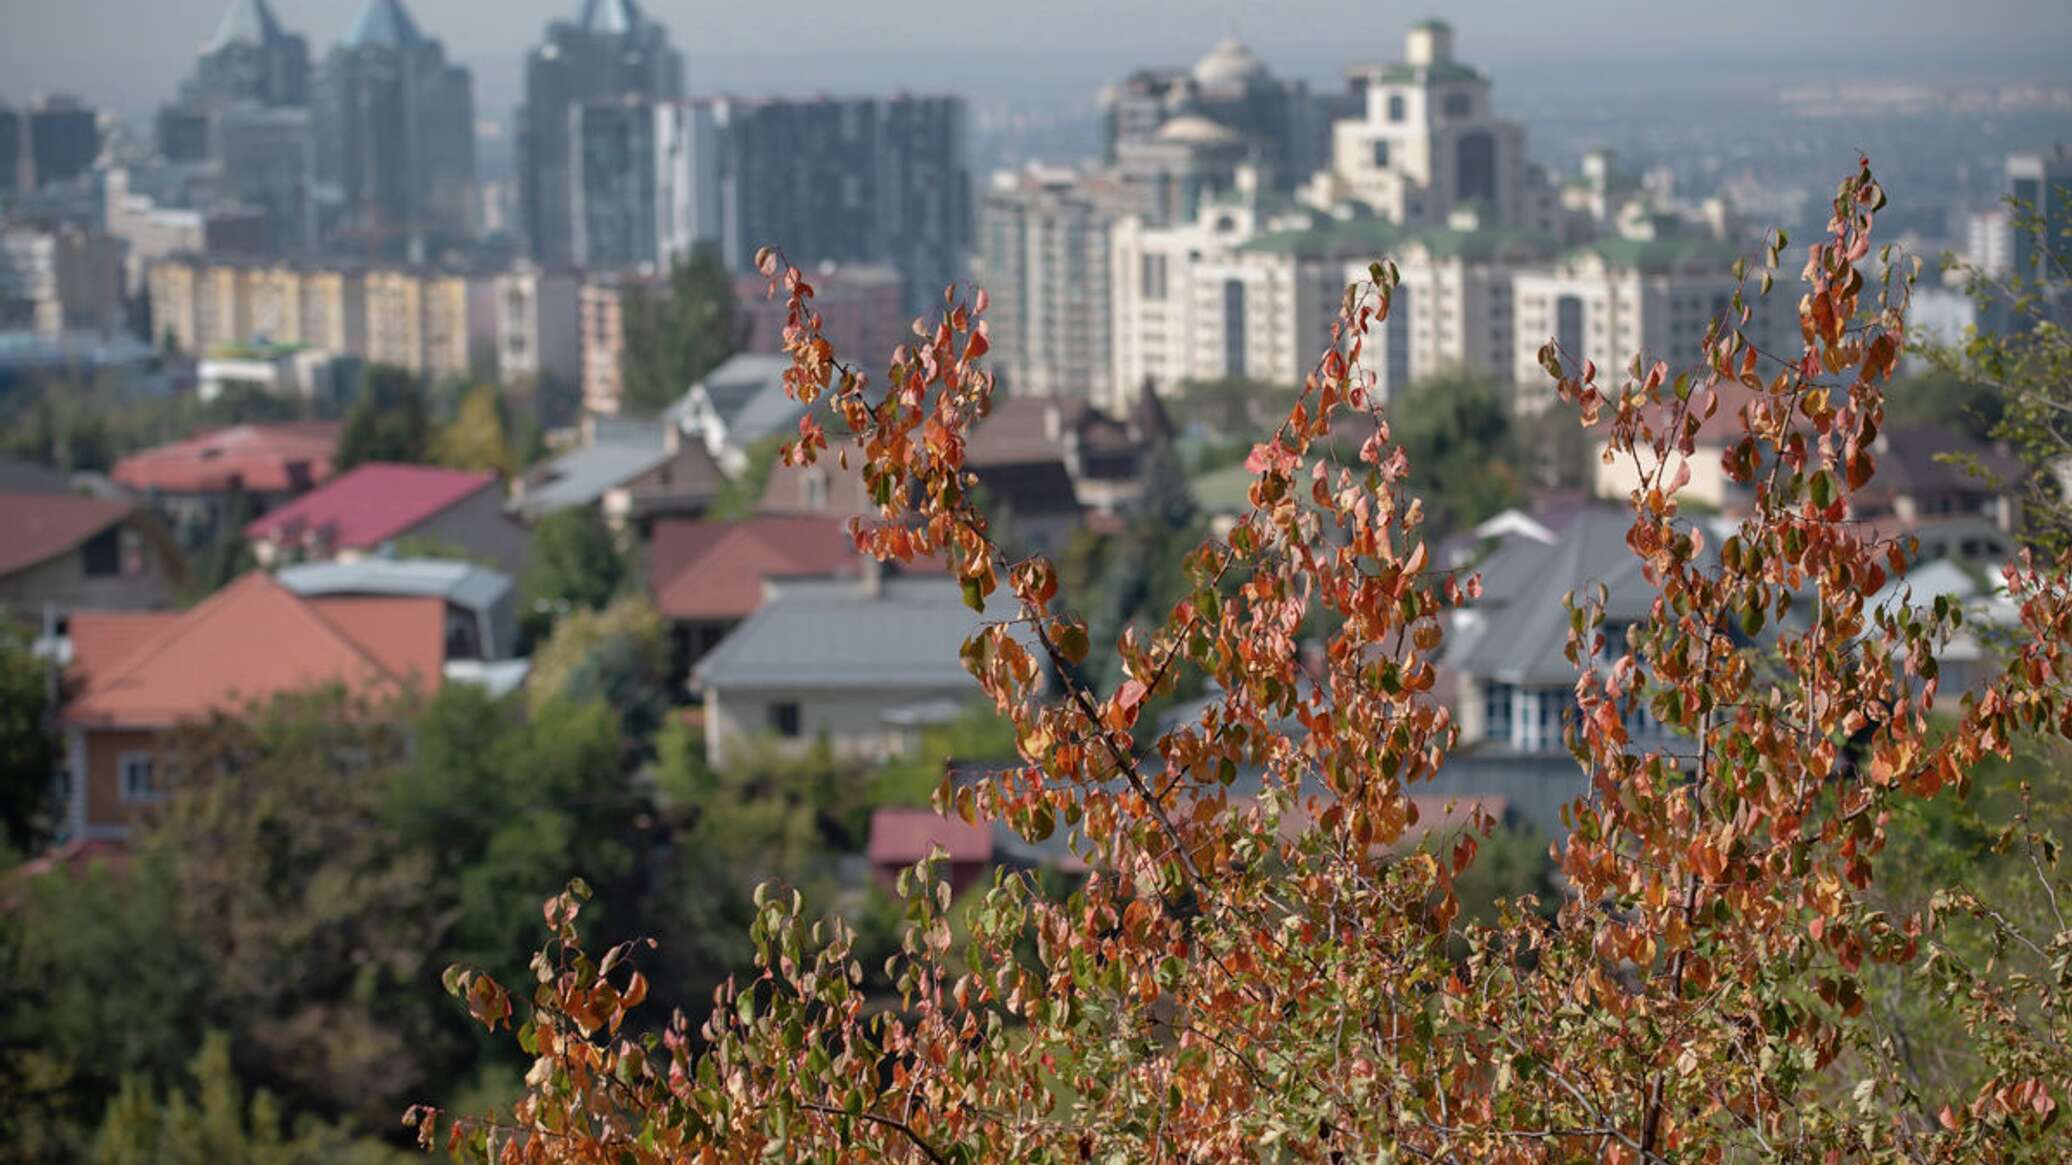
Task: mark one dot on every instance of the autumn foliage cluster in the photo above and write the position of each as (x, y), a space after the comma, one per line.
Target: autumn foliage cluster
(1281, 976)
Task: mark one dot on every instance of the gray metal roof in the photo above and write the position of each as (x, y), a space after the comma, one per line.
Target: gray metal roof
(748, 394)
(1521, 633)
(581, 476)
(464, 583)
(834, 633)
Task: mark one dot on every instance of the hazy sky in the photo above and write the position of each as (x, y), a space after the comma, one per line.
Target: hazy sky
(130, 53)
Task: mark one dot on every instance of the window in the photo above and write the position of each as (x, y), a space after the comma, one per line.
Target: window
(1233, 328)
(139, 772)
(1496, 712)
(1476, 167)
(1381, 155)
(1152, 276)
(1459, 105)
(1396, 107)
(103, 554)
(784, 720)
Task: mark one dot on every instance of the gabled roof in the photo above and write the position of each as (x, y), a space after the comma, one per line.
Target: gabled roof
(1910, 462)
(252, 640)
(709, 570)
(274, 458)
(37, 527)
(248, 22)
(901, 837)
(102, 639)
(371, 504)
(384, 23)
(836, 633)
(1521, 635)
(747, 392)
(582, 475)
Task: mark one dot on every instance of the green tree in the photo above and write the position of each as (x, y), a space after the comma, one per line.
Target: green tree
(389, 420)
(618, 656)
(1464, 453)
(677, 333)
(478, 437)
(214, 1122)
(27, 752)
(575, 565)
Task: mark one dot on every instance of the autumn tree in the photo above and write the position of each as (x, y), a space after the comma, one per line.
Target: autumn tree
(1289, 976)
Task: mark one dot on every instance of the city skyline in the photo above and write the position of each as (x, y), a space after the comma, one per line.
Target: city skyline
(1012, 54)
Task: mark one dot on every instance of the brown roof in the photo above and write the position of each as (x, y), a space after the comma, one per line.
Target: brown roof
(715, 570)
(37, 527)
(255, 639)
(276, 458)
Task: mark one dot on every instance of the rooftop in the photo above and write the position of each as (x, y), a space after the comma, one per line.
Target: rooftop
(371, 504)
(714, 570)
(275, 458)
(37, 527)
(905, 633)
(462, 583)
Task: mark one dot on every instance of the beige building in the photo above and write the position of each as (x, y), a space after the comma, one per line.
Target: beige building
(601, 340)
(1043, 257)
(59, 279)
(1451, 310)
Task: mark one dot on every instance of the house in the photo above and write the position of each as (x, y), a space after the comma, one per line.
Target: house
(1925, 475)
(1102, 454)
(377, 505)
(27, 477)
(197, 482)
(632, 472)
(832, 658)
(706, 576)
(133, 678)
(739, 404)
(1968, 661)
(66, 551)
(1033, 503)
(900, 837)
(481, 607)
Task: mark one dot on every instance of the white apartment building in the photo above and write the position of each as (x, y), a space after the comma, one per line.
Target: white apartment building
(1430, 141)
(538, 325)
(59, 279)
(1043, 257)
(1619, 298)
(1452, 307)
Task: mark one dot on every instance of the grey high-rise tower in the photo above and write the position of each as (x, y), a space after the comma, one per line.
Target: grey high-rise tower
(611, 49)
(395, 138)
(250, 58)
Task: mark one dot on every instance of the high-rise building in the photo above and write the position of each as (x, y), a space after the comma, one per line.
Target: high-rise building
(1451, 311)
(1285, 129)
(266, 160)
(250, 59)
(634, 177)
(611, 49)
(1043, 243)
(14, 147)
(64, 140)
(59, 279)
(2042, 185)
(842, 180)
(395, 130)
(1429, 141)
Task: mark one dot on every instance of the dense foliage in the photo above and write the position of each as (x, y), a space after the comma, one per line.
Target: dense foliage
(679, 331)
(1275, 977)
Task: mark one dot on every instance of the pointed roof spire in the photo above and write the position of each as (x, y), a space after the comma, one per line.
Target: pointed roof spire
(610, 16)
(385, 23)
(245, 22)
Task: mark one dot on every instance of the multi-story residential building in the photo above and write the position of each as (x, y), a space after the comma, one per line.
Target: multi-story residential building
(2042, 185)
(633, 173)
(1247, 289)
(14, 142)
(1280, 122)
(1044, 238)
(611, 49)
(1429, 141)
(1451, 309)
(396, 137)
(1613, 300)
(601, 342)
(862, 305)
(59, 279)
(538, 325)
(843, 180)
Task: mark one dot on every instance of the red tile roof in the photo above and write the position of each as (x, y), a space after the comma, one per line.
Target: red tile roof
(102, 639)
(715, 570)
(901, 837)
(255, 639)
(37, 527)
(371, 504)
(262, 458)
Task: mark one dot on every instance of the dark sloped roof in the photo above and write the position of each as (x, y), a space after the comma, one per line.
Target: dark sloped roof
(36, 527)
(1523, 636)
(835, 633)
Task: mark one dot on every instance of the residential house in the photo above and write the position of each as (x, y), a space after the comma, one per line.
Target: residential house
(738, 405)
(133, 678)
(199, 481)
(633, 472)
(831, 659)
(1927, 475)
(65, 551)
(1970, 659)
(378, 505)
(1034, 503)
(481, 608)
(706, 576)
(1104, 454)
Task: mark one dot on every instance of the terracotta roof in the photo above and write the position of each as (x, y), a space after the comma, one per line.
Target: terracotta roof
(37, 527)
(901, 837)
(715, 570)
(371, 504)
(406, 635)
(262, 458)
(251, 640)
(102, 639)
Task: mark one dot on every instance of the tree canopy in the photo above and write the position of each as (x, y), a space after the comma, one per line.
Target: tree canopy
(678, 332)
